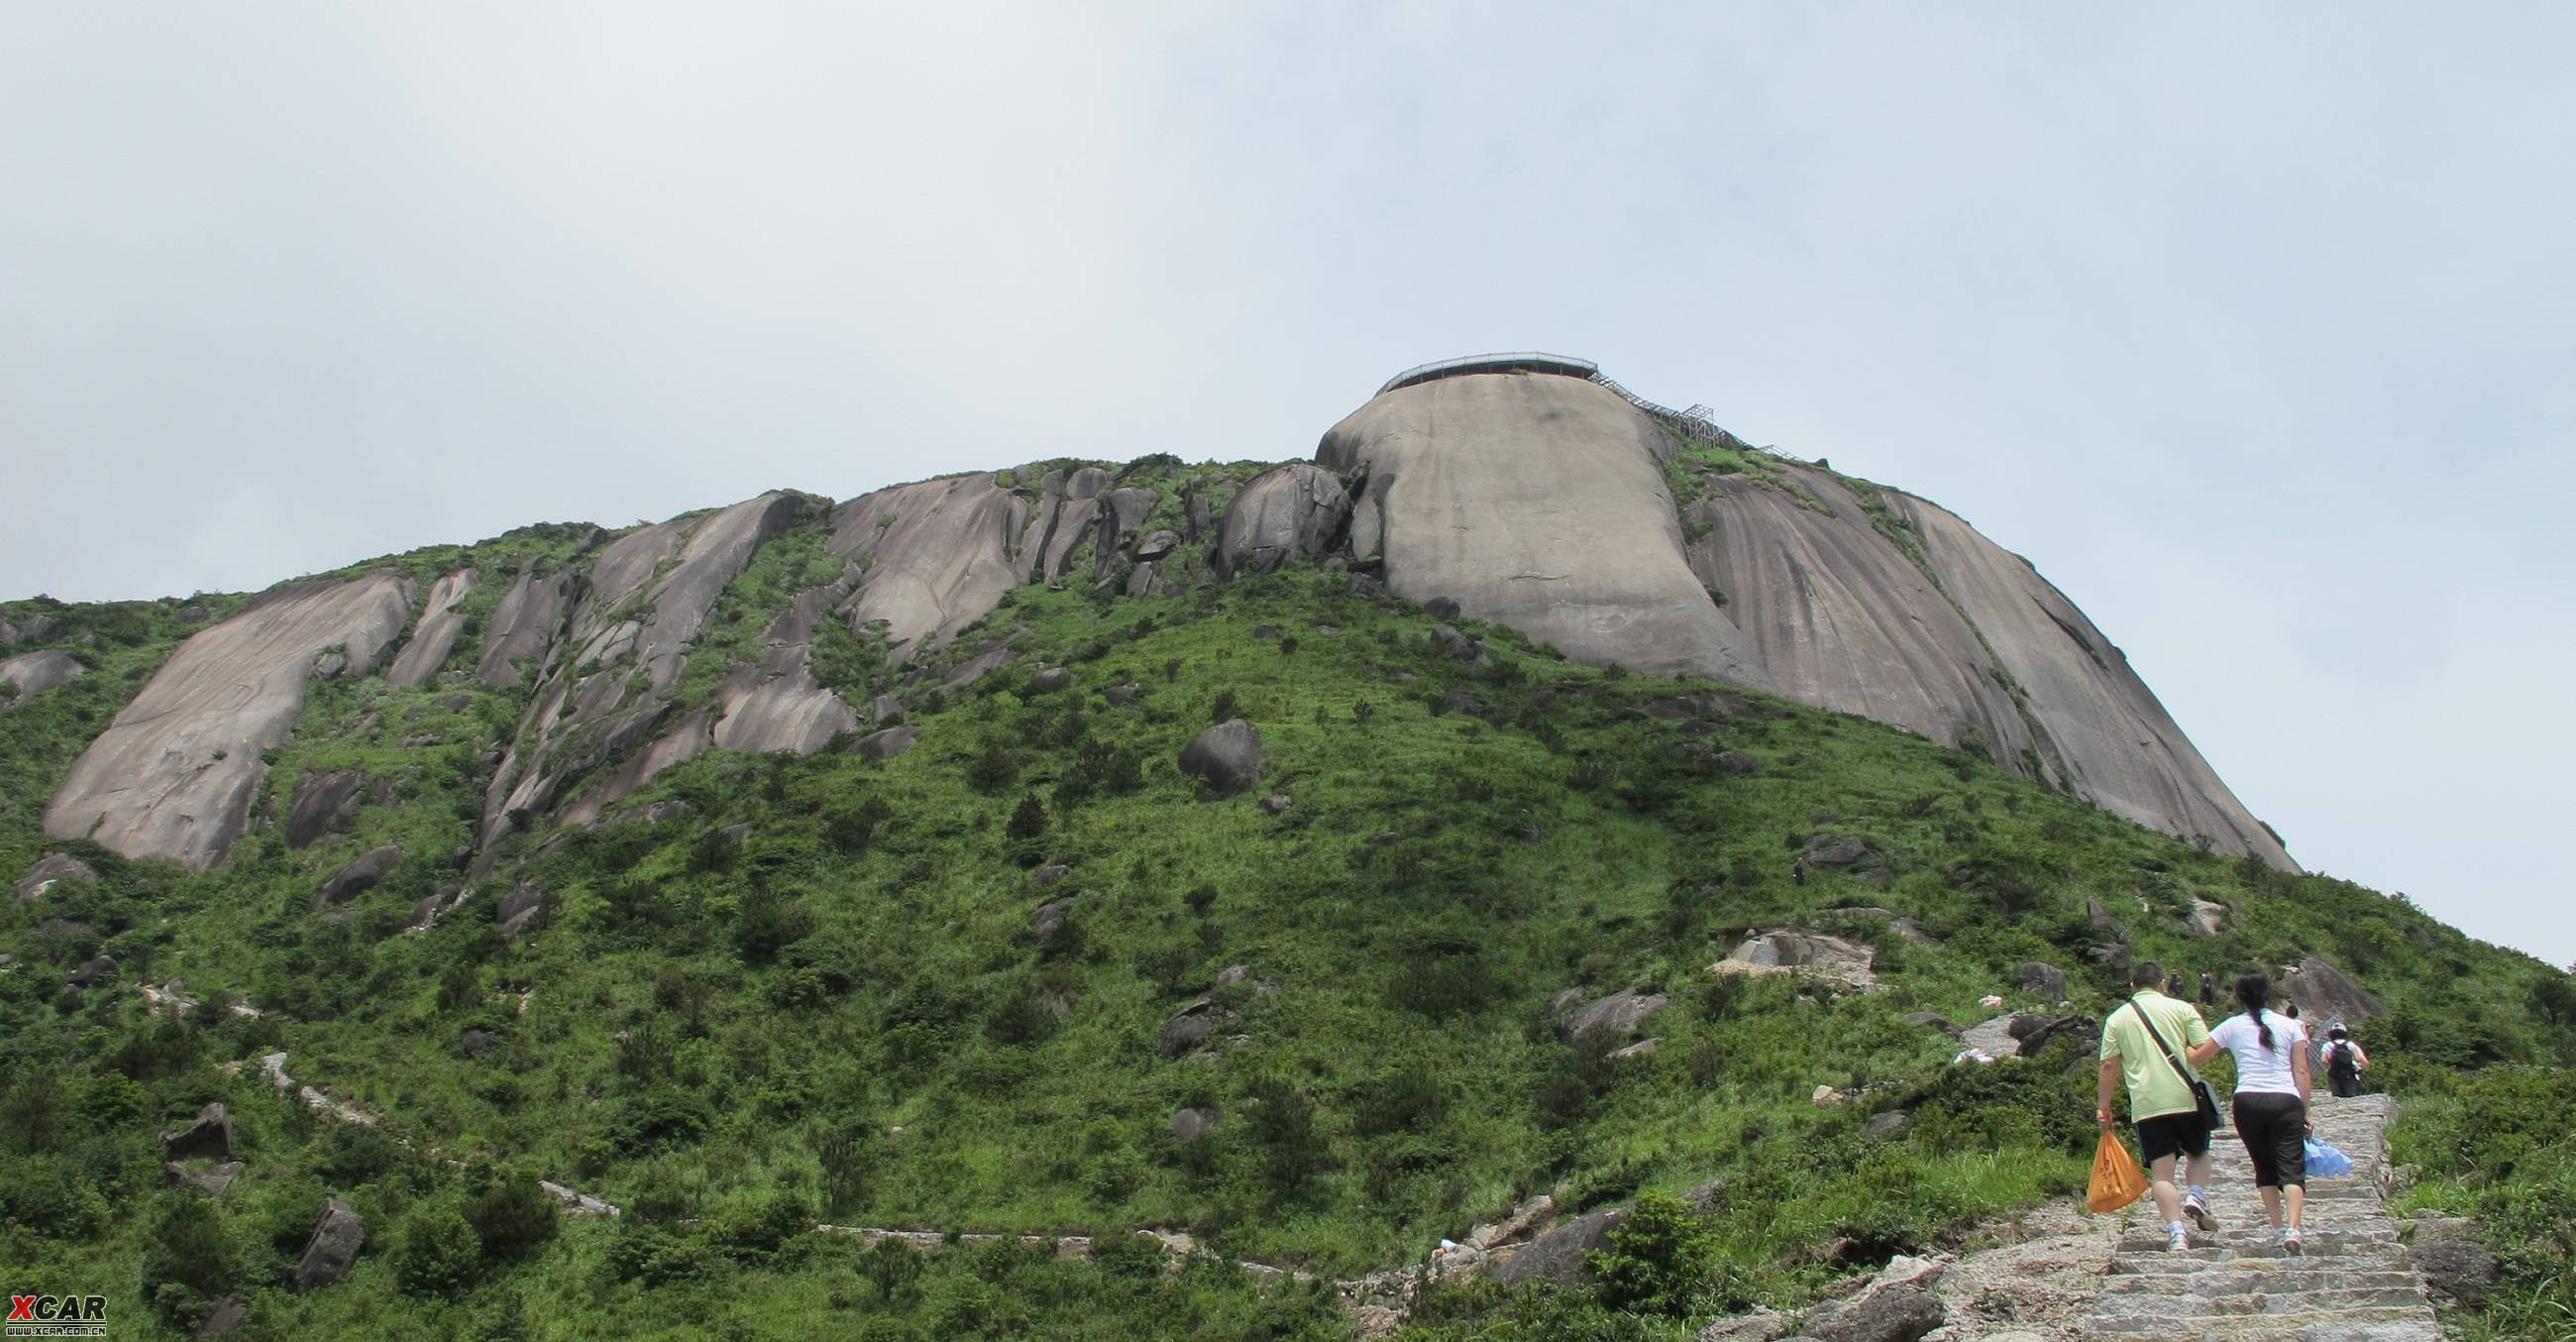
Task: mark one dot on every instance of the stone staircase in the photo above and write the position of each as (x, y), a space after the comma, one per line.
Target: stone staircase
(2351, 1284)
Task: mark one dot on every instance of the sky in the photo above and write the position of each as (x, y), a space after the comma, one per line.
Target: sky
(2249, 325)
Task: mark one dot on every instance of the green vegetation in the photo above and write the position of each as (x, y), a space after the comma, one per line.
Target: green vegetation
(845, 1010)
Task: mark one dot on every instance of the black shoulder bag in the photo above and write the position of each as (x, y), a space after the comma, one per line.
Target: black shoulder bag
(2200, 1091)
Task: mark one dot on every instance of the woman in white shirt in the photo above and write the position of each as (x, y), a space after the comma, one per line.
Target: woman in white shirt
(2272, 1083)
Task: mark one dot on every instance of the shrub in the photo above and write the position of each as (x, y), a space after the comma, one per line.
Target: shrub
(769, 923)
(436, 1251)
(1399, 1101)
(993, 770)
(513, 1216)
(355, 1153)
(189, 1258)
(1659, 1257)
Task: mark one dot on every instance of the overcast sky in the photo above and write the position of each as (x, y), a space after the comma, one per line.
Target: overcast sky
(2250, 326)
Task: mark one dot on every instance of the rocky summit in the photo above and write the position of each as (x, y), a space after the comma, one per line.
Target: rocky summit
(1535, 866)
(1610, 529)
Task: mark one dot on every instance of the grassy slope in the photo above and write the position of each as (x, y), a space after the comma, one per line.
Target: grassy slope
(720, 1036)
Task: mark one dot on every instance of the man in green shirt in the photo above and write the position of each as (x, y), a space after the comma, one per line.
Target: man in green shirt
(2161, 1104)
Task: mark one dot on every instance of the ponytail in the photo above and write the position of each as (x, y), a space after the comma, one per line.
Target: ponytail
(2252, 987)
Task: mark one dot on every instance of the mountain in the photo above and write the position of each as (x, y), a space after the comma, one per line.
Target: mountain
(1537, 792)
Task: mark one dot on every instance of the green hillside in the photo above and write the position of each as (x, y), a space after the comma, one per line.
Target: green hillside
(816, 990)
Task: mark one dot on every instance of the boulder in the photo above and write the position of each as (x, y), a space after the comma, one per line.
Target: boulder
(1052, 873)
(1364, 585)
(1804, 953)
(1443, 608)
(1189, 1125)
(325, 801)
(30, 674)
(1760, 1326)
(2324, 993)
(2047, 982)
(90, 973)
(1120, 694)
(2205, 918)
(476, 1043)
(363, 874)
(2465, 1270)
(332, 1248)
(1226, 756)
(210, 1137)
(209, 1179)
(1996, 1037)
(1456, 644)
(1278, 516)
(1735, 762)
(1886, 1125)
(1559, 1256)
(49, 871)
(1050, 680)
(1277, 803)
(1643, 1048)
(1527, 1215)
(1833, 852)
(1049, 917)
(885, 745)
(1897, 1305)
(1927, 1021)
(1156, 544)
(1190, 1027)
(1615, 1016)
(229, 1314)
(522, 906)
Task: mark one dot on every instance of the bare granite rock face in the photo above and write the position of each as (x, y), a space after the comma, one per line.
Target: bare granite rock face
(27, 675)
(777, 704)
(1537, 502)
(175, 774)
(333, 1247)
(325, 801)
(49, 871)
(650, 594)
(435, 636)
(1279, 516)
(938, 556)
(2098, 724)
(523, 627)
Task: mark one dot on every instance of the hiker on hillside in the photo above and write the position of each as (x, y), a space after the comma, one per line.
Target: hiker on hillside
(2142, 1043)
(2344, 1061)
(1798, 871)
(2272, 1083)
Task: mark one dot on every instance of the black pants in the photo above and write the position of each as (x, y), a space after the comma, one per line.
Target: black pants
(2344, 1084)
(2275, 1130)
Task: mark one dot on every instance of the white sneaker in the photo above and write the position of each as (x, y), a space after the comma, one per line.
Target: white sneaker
(2177, 1238)
(2196, 1211)
(2290, 1240)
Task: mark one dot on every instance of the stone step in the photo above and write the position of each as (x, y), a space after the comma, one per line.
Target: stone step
(2235, 1279)
(2335, 1325)
(2188, 1306)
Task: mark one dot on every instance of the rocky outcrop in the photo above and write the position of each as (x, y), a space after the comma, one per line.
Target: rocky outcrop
(1803, 953)
(49, 871)
(2097, 723)
(175, 774)
(27, 675)
(324, 803)
(523, 627)
(1227, 757)
(2325, 993)
(777, 704)
(887, 744)
(210, 1137)
(1607, 1019)
(332, 1248)
(1537, 502)
(603, 693)
(937, 557)
(435, 635)
(1280, 516)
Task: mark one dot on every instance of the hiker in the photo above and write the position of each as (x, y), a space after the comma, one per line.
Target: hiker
(2208, 989)
(2272, 1083)
(2140, 1044)
(2344, 1061)
(1798, 871)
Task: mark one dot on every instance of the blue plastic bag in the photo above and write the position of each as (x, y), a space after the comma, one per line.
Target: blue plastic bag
(2325, 1162)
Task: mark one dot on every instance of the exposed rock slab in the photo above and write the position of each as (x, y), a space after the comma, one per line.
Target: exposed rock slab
(27, 675)
(1840, 617)
(1804, 953)
(332, 1247)
(938, 556)
(1537, 502)
(777, 704)
(175, 774)
(361, 875)
(524, 627)
(435, 635)
(325, 801)
(2098, 722)
(2325, 993)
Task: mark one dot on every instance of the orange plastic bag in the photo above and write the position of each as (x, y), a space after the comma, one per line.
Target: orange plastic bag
(2117, 1180)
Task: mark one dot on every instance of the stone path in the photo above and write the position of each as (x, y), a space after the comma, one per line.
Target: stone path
(2351, 1285)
